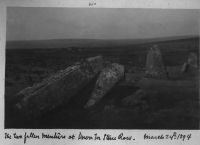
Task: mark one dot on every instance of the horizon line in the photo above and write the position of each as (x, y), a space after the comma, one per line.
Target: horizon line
(148, 38)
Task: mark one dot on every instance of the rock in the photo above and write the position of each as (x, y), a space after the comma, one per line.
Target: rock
(184, 67)
(57, 89)
(192, 59)
(107, 79)
(191, 64)
(134, 99)
(154, 64)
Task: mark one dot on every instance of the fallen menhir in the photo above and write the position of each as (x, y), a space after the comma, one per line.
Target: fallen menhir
(57, 89)
(108, 77)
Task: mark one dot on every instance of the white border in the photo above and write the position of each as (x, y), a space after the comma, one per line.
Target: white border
(161, 4)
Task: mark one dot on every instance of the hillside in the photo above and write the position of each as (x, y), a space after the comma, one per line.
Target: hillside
(64, 43)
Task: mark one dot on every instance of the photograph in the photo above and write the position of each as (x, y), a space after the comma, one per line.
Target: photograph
(101, 68)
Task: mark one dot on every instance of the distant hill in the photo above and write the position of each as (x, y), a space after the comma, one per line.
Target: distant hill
(65, 43)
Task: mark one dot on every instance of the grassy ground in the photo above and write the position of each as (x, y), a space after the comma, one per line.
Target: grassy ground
(170, 104)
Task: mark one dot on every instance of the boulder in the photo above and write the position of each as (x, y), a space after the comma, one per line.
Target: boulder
(57, 89)
(107, 79)
(191, 64)
(136, 98)
(154, 64)
(184, 67)
(193, 60)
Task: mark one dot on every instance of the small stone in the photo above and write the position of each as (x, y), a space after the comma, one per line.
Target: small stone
(191, 64)
(192, 60)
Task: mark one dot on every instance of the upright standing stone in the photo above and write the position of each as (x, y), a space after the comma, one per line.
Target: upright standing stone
(58, 88)
(108, 77)
(154, 64)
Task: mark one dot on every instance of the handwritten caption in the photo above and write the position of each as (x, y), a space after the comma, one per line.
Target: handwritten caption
(58, 135)
(103, 137)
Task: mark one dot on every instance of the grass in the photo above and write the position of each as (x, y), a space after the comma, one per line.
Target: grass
(170, 104)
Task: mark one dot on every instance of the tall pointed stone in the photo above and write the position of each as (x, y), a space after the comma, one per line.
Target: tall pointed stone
(154, 64)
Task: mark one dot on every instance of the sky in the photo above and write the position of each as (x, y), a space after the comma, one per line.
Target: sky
(25, 23)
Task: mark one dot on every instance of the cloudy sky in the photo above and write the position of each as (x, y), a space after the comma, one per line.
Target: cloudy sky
(92, 23)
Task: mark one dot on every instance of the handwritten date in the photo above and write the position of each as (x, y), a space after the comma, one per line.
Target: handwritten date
(173, 136)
